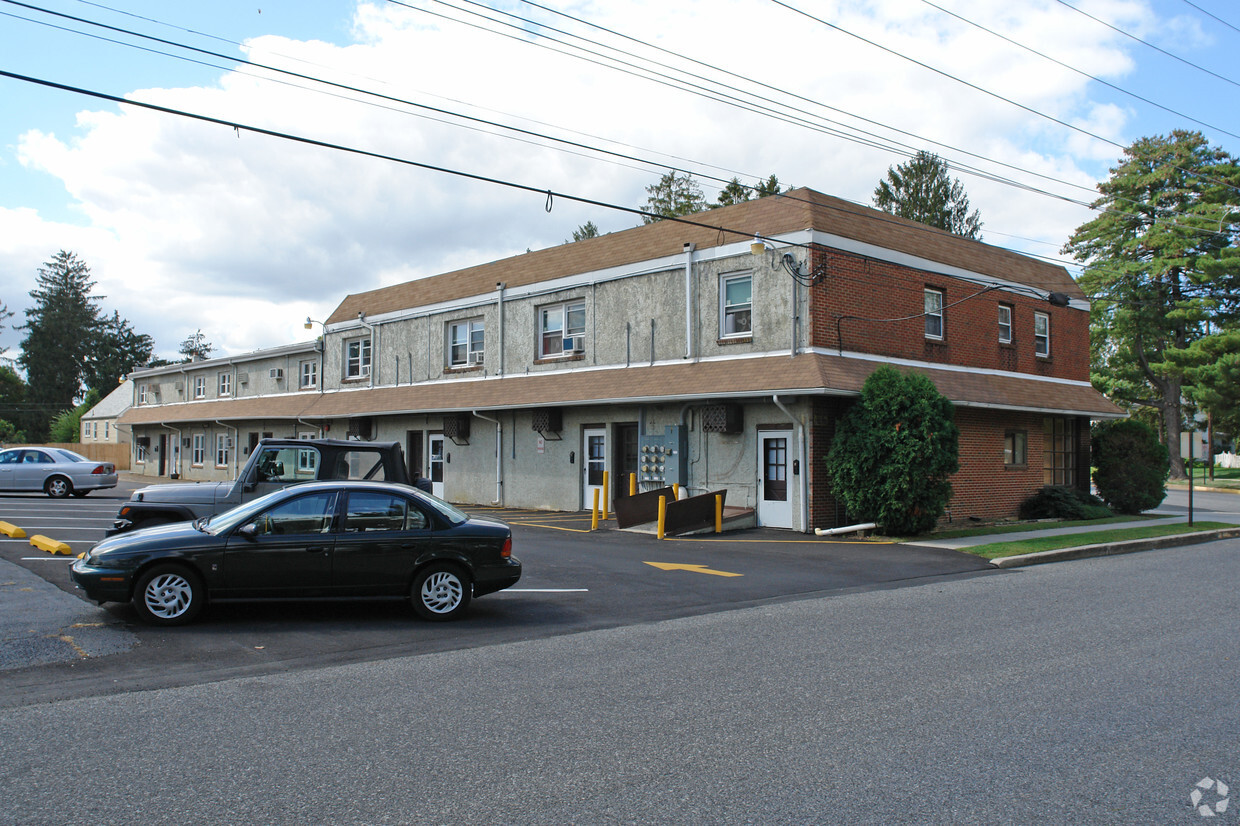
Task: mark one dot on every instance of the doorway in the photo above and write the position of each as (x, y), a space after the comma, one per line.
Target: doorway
(594, 462)
(435, 465)
(774, 502)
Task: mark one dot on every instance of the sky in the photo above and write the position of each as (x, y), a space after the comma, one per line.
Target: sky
(192, 225)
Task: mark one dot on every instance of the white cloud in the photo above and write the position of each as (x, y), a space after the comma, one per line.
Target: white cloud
(242, 235)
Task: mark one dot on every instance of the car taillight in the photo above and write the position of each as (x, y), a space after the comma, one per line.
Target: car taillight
(101, 469)
(506, 551)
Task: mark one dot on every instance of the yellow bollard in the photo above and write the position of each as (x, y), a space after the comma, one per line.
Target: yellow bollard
(606, 492)
(675, 491)
(718, 513)
(632, 484)
(594, 517)
(662, 514)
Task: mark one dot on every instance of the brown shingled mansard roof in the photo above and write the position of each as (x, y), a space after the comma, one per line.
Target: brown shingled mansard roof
(792, 211)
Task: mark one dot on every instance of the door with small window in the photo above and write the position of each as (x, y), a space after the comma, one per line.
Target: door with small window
(594, 462)
(435, 463)
(774, 466)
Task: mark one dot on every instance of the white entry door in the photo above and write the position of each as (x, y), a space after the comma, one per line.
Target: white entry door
(593, 463)
(435, 465)
(774, 492)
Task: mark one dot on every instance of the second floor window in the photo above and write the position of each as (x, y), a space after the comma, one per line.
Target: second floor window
(144, 395)
(561, 323)
(225, 384)
(736, 305)
(309, 375)
(1005, 324)
(357, 358)
(465, 343)
(934, 313)
(200, 387)
(1041, 334)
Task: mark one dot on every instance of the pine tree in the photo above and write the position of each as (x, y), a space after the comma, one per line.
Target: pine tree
(921, 190)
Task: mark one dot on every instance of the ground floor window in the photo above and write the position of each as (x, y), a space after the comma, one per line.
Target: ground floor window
(1058, 451)
(199, 455)
(222, 443)
(1015, 448)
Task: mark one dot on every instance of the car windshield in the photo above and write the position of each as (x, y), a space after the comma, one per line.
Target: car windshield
(67, 455)
(229, 519)
(449, 512)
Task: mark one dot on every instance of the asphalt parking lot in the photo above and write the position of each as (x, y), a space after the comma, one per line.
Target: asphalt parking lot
(58, 645)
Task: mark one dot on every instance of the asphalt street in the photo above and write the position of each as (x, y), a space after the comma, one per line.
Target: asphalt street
(1099, 691)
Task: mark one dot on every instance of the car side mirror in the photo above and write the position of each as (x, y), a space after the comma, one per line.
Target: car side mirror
(249, 531)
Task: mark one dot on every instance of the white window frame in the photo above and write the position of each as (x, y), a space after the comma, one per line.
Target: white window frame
(225, 384)
(466, 342)
(308, 374)
(200, 387)
(730, 314)
(1005, 323)
(933, 308)
(221, 450)
(556, 322)
(1042, 335)
(357, 358)
(199, 455)
(85, 430)
(140, 453)
(107, 427)
(143, 394)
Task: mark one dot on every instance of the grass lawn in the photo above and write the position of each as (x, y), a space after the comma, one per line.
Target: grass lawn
(996, 550)
(1033, 526)
(1224, 477)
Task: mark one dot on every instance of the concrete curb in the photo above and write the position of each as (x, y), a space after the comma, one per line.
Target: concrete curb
(1112, 548)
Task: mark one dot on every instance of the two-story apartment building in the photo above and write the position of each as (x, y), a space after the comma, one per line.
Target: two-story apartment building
(719, 354)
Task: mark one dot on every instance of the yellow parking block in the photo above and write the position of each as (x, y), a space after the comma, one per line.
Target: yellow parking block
(9, 529)
(44, 543)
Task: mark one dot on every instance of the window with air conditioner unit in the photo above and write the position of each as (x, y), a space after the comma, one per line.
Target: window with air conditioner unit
(276, 373)
(561, 329)
(465, 343)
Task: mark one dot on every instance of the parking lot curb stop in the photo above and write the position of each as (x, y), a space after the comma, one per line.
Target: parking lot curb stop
(44, 543)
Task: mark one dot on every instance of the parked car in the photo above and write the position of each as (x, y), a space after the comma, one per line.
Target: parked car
(319, 540)
(53, 470)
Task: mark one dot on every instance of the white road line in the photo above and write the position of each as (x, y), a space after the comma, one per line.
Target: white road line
(545, 590)
(49, 559)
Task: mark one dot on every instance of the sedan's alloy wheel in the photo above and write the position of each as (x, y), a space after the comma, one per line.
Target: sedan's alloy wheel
(442, 592)
(168, 596)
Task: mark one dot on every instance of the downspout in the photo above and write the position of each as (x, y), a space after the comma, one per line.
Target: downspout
(236, 445)
(178, 448)
(309, 425)
(499, 310)
(499, 458)
(689, 349)
(804, 474)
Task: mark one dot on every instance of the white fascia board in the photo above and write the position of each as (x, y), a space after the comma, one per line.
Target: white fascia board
(917, 262)
(947, 368)
(224, 361)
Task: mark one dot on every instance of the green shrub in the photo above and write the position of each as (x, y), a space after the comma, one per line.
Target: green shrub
(1063, 502)
(894, 452)
(1130, 465)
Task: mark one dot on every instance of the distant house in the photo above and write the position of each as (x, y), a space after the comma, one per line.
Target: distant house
(99, 423)
(718, 354)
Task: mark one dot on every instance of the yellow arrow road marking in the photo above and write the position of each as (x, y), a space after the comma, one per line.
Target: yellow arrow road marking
(697, 569)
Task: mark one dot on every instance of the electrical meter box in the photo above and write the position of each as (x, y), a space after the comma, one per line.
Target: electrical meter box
(663, 460)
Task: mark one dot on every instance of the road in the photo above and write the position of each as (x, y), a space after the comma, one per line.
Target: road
(1099, 691)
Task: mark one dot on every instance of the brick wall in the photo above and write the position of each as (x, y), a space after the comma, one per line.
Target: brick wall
(857, 291)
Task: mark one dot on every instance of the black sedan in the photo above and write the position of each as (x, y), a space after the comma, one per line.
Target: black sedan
(313, 541)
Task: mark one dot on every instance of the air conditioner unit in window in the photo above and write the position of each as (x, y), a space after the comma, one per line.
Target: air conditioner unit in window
(475, 358)
(180, 386)
(277, 373)
(243, 378)
(575, 344)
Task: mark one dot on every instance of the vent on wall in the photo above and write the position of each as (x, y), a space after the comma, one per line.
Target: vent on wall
(456, 428)
(723, 418)
(548, 420)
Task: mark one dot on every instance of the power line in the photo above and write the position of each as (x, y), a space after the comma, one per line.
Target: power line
(1080, 72)
(1215, 16)
(1147, 44)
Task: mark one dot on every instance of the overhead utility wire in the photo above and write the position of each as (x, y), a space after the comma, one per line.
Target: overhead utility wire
(1080, 72)
(890, 145)
(1148, 44)
(984, 91)
(973, 170)
(1215, 16)
(345, 87)
(204, 63)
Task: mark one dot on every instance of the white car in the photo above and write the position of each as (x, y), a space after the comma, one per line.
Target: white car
(53, 470)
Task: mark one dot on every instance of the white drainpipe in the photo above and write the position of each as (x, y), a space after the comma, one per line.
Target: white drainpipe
(689, 351)
(803, 486)
(499, 361)
(499, 458)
